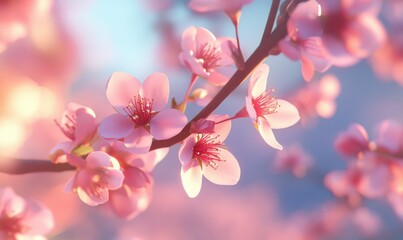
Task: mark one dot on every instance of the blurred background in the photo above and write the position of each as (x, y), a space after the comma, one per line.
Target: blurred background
(66, 50)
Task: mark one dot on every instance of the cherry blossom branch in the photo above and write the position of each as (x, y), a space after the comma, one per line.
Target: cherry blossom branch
(268, 42)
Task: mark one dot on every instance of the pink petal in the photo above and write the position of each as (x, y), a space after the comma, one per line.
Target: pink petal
(304, 21)
(313, 49)
(147, 161)
(139, 140)
(228, 171)
(115, 126)
(204, 36)
(156, 87)
(100, 159)
(307, 67)
(267, 134)
(289, 48)
(191, 176)
(76, 161)
(375, 183)
(114, 179)
(38, 218)
(186, 150)
(364, 35)
(86, 126)
(58, 153)
(286, 115)
(218, 79)
(221, 129)
(188, 39)
(167, 123)
(121, 88)
(128, 203)
(257, 84)
(390, 135)
(338, 54)
(69, 186)
(338, 183)
(356, 7)
(93, 200)
(250, 109)
(226, 55)
(136, 178)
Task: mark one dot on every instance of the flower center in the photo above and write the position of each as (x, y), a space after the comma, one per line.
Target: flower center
(69, 126)
(207, 150)
(209, 56)
(139, 110)
(265, 104)
(335, 23)
(98, 183)
(11, 226)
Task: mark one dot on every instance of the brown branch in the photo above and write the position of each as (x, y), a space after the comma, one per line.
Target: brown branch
(19, 166)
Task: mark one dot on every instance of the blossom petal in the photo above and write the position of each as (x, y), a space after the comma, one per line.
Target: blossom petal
(221, 129)
(286, 115)
(93, 199)
(127, 202)
(204, 36)
(114, 179)
(38, 218)
(86, 126)
(228, 171)
(186, 150)
(167, 123)
(139, 140)
(250, 109)
(115, 126)
(191, 176)
(267, 134)
(257, 84)
(188, 39)
(121, 88)
(218, 79)
(156, 87)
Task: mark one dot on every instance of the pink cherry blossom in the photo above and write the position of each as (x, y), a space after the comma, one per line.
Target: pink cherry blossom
(135, 194)
(293, 159)
(79, 125)
(266, 111)
(202, 53)
(353, 141)
(140, 116)
(204, 154)
(231, 8)
(95, 176)
(317, 98)
(22, 218)
(351, 30)
(305, 45)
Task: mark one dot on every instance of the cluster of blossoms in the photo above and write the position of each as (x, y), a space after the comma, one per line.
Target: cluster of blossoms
(114, 157)
(374, 167)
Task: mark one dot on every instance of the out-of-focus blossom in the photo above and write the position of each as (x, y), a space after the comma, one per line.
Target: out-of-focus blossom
(231, 8)
(203, 54)
(389, 138)
(140, 116)
(317, 98)
(266, 111)
(351, 30)
(307, 48)
(22, 218)
(353, 141)
(205, 154)
(79, 125)
(95, 176)
(387, 60)
(293, 159)
(134, 196)
(158, 5)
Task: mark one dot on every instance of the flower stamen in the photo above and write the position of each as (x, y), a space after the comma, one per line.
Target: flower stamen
(265, 104)
(139, 110)
(207, 150)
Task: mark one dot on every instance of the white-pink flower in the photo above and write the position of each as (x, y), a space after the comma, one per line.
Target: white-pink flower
(353, 141)
(266, 111)
(202, 53)
(293, 159)
(79, 125)
(140, 116)
(22, 218)
(95, 176)
(204, 154)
